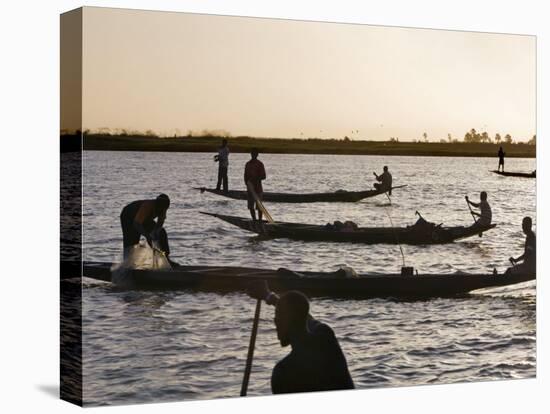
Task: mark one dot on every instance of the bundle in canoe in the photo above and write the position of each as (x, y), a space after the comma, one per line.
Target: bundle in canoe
(337, 196)
(532, 174)
(420, 233)
(334, 284)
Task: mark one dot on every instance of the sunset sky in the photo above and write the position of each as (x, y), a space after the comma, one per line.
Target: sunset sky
(175, 72)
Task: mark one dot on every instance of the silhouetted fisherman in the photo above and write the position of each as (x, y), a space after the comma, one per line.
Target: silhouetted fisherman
(223, 164)
(316, 362)
(385, 181)
(485, 215)
(138, 218)
(529, 257)
(254, 172)
(501, 155)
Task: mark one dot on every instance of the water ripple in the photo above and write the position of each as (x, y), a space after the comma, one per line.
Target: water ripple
(166, 346)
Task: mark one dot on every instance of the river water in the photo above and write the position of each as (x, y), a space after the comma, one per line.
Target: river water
(164, 346)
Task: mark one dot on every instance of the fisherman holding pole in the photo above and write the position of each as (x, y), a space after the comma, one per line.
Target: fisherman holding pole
(254, 174)
(316, 361)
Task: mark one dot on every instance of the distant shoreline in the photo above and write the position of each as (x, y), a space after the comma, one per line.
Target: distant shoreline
(97, 142)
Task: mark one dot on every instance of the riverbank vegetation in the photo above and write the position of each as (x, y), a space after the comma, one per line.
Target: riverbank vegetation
(474, 144)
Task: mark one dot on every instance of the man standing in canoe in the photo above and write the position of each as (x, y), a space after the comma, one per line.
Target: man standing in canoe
(485, 215)
(385, 181)
(254, 172)
(223, 164)
(138, 218)
(316, 361)
(501, 155)
(529, 257)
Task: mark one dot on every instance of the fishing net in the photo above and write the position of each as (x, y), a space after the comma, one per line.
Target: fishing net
(140, 256)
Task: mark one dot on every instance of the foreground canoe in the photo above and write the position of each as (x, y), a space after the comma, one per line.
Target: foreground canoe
(228, 279)
(370, 235)
(337, 196)
(516, 174)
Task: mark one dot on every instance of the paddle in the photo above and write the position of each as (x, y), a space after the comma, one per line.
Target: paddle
(250, 355)
(259, 203)
(472, 213)
(470, 208)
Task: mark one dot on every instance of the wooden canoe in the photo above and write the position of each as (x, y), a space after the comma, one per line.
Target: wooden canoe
(337, 196)
(516, 174)
(228, 279)
(369, 235)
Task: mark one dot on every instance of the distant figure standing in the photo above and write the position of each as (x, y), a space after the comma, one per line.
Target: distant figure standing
(529, 256)
(316, 361)
(223, 159)
(254, 172)
(385, 181)
(501, 155)
(485, 215)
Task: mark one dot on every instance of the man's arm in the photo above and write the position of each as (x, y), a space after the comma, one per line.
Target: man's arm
(260, 290)
(528, 253)
(144, 211)
(246, 174)
(160, 220)
(517, 259)
(262, 173)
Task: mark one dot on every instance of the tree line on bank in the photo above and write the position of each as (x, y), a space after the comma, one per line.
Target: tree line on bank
(472, 136)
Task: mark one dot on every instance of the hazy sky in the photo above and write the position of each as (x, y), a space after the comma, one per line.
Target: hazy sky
(277, 78)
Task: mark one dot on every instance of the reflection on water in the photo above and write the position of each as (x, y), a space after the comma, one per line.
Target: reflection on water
(144, 346)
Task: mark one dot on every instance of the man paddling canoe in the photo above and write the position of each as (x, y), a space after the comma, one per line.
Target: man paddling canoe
(138, 218)
(254, 172)
(529, 257)
(485, 215)
(385, 181)
(316, 362)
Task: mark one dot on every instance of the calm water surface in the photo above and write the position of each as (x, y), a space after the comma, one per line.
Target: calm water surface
(164, 346)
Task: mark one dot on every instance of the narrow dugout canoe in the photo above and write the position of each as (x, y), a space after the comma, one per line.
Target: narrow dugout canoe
(337, 196)
(228, 279)
(416, 234)
(516, 174)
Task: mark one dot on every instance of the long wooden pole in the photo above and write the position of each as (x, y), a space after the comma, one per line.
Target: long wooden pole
(259, 203)
(251, 346)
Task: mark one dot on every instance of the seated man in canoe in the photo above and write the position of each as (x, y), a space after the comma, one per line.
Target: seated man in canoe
(138, 219)
(254, 173)
(528, 260)
(339, 226)
(316, 361)
(385, 181)
(485, 215)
